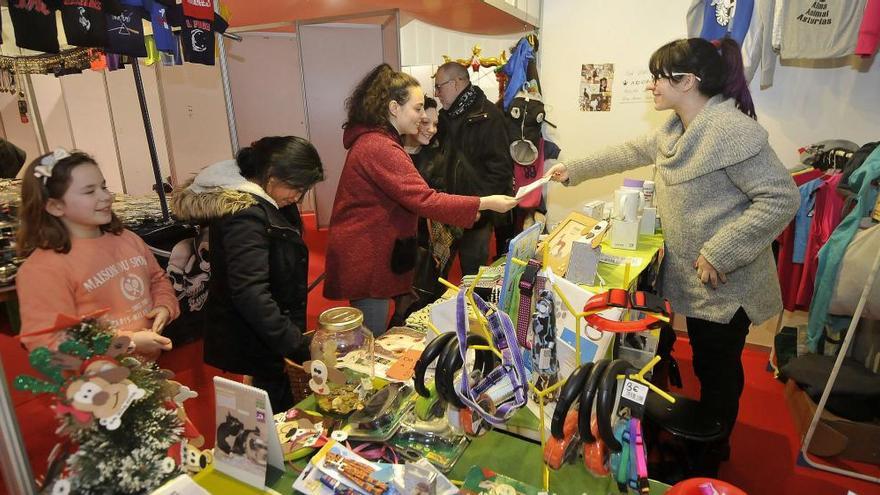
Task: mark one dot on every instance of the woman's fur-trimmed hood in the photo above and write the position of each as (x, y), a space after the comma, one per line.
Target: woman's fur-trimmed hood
(217, 191)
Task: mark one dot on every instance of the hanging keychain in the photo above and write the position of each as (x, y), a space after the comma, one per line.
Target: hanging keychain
(22, 105)
(22, 108)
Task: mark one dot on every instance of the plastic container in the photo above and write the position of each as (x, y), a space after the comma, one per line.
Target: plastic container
(648, 193)
(341, 336)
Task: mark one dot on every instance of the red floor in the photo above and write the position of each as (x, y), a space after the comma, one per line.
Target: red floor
(764, 443)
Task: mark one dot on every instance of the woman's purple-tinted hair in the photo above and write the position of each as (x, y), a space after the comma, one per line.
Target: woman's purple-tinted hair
(718, 64)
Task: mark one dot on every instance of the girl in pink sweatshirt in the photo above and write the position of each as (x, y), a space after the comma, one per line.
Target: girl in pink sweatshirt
(80, 259)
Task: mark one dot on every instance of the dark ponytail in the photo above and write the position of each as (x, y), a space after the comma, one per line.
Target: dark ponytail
(289, 159)
(735, 84)
(718, 64)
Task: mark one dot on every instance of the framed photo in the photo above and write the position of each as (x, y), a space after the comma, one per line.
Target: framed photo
(560, 240)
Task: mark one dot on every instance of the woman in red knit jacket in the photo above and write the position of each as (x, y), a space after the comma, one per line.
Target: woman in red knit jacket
(372, 240)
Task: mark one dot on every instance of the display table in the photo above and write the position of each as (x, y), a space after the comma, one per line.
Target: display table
(649, 252)
(500, 452)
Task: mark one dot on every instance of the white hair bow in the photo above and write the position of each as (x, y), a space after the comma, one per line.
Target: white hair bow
(44, 169)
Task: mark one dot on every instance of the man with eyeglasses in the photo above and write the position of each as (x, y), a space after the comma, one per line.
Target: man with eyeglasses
(474, 141)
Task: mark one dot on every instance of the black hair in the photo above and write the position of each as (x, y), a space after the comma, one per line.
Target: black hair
(289, 159)
(430, 102)
(718, 64)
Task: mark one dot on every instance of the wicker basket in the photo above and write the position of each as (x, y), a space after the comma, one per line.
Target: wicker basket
(299, 381)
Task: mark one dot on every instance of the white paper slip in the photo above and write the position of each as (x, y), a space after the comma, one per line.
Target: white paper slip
(531, 187)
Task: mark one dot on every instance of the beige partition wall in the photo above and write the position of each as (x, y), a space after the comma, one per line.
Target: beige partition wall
(128, 122)
(22, 135)
(99, 113)
(91, 122)
(195, 118)
(391, 41)
(266, 83)
(335, 56)
(265, 79)
(53, 111)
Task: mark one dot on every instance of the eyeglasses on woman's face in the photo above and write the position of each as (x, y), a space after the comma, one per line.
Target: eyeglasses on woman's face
(675, 74)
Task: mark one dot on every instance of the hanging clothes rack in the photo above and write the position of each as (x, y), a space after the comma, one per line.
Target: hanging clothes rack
(14, 465)
(841, 354)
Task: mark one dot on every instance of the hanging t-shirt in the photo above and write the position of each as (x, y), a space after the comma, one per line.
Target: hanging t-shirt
(199, 9)
(817, 29)
(125, 32)
(85, 22)
(716, 20)
(165, 40)
(33, 23)
(198, 39)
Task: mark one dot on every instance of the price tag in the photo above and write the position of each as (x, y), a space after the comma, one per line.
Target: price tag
(635, 391)
(633, 396)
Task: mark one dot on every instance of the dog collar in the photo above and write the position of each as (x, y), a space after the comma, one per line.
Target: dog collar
(527, 282)
(496, 395)
(656, 310)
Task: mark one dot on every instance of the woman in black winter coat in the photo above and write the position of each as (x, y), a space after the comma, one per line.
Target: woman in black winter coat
(256, 309)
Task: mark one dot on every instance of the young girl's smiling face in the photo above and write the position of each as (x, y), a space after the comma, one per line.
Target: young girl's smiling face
(85, 205)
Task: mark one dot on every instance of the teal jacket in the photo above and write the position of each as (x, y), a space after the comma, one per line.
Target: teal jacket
(832, 252)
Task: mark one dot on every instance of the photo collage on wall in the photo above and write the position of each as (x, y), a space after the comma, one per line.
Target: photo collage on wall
(594, 94)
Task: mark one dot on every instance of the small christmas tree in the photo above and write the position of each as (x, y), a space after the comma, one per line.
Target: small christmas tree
(118, 417)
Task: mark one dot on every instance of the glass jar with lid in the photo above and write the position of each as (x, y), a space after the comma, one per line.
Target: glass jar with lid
(342, 360)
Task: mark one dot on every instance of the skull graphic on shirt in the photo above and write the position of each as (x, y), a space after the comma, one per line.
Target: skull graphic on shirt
(190, 269)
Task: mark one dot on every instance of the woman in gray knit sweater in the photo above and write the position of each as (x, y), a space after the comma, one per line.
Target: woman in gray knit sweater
(723, 195)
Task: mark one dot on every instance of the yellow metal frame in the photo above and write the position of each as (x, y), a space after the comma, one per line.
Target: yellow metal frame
(579, 316)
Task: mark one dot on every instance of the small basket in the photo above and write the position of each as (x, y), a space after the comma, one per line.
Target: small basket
(299, 381)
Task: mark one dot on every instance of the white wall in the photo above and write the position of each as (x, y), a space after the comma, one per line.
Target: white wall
(804, 105)
(807, 105)
(424, 44)
(423, 47)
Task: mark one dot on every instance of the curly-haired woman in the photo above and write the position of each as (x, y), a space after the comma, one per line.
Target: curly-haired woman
(372, 242)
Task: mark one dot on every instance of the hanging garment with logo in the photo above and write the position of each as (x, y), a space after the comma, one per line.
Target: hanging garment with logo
(85, 22)
(165, 40)
(820, 29)
(197, 36)
(33, 23)
(199, 9)
(125, 32)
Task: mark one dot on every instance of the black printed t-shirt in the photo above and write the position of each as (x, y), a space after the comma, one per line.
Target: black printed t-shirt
(125, 32)
(33, 22)
(197, 36)
(85, 21)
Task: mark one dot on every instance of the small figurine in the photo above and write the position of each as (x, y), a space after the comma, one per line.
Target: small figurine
(321, 375)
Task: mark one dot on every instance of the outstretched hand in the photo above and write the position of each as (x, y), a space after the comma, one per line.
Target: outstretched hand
(498, 203)
(558, 172)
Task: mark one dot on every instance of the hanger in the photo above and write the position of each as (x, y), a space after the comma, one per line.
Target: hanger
(802, 171)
